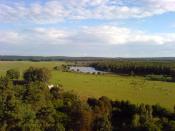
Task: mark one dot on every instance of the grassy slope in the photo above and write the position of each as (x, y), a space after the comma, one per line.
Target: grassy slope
(134, 89)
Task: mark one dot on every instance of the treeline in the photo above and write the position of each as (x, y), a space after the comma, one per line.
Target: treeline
(67, 58)
(50, 58)
(136, 67)
(32, 106)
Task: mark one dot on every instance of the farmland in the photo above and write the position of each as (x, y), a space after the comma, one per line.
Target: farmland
(133, 88)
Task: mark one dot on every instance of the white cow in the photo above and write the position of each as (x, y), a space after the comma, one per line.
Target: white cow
(50, 86)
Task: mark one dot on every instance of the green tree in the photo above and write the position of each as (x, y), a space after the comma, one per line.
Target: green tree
(45, 116)
(55, 93)
(136, 121)
(36, 94)
(13, 74)
(170, 125)
(10, 115)
(151, 126)
(37, 74)
(102, 123)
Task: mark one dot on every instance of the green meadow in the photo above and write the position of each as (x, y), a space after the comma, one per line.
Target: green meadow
(135, 89)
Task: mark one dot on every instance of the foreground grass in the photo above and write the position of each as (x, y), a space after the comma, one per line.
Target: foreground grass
(134, 89)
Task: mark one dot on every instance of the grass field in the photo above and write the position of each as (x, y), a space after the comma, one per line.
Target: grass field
(134, 89)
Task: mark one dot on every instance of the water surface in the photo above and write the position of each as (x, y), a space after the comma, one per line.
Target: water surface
(85, 69)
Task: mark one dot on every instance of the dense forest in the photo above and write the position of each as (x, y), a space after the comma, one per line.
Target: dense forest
(29, 105)
(136, 67)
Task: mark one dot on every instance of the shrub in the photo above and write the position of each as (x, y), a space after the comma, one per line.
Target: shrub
(13, 74)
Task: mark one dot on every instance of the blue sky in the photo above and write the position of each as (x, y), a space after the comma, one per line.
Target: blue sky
(106, 28)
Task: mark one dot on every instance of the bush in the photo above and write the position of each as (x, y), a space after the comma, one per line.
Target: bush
(63, 68)
(37, 74)
(13, 74)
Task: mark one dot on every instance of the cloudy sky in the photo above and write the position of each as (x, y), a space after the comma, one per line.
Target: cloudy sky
(107, 28)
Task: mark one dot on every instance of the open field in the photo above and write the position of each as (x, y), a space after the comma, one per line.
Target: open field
(134, 89)
(22, 65)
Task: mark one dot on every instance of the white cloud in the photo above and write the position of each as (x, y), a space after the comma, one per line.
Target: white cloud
(58, 10)
(162, 5)
(49, 36)
(91, 36)
(120, 35)
(10, 37)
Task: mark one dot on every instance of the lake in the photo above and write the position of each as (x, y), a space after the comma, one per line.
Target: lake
(85, 69)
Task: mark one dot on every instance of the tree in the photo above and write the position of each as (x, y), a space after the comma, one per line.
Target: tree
(44, 75)
(10, 116)
(105, 105)
(171, 126)
(37, 74)
(13, 74)
(102, 123)
(136, 121)
(151, 126)
(5, 83)
(45, 116)
(55, 93)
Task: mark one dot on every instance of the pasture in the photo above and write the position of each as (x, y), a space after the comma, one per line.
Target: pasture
(135, 89)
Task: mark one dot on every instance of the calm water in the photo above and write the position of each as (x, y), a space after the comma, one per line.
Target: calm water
(85, 69)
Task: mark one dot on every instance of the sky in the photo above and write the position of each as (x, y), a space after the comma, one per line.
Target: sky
(99, 28)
